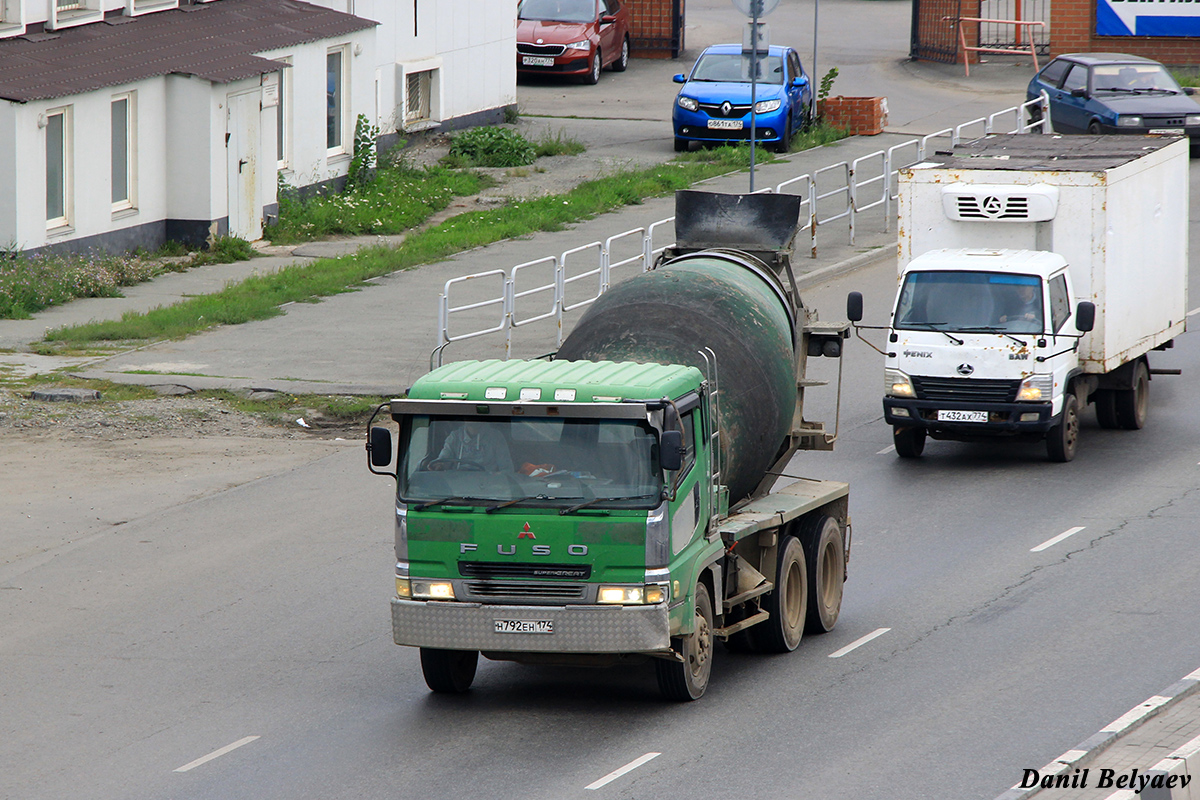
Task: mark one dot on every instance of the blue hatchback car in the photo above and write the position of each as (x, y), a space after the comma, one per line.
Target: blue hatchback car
(714, 103)
(1115, 93)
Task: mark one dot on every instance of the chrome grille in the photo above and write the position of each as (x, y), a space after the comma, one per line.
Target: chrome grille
(963, 389)
(501, 569)
(520, 590)
(970, 207)
(715, 110)
(526, 49)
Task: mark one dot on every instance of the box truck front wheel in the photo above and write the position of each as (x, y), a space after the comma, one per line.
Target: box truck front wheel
(1062, 439)
(1134, 403)
(825, 553)
(449, 671)
(910, 442)
(687, 679)
(787, 603)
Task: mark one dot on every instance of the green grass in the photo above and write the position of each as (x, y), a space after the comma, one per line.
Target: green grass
(260, 297)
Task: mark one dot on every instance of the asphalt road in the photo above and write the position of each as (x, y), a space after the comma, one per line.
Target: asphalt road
(162, 638)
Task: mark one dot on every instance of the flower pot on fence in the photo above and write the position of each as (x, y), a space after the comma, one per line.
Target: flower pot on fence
(861, 116)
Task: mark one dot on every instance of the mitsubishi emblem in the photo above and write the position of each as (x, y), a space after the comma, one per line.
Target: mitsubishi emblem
(526, 533)
(961, 369)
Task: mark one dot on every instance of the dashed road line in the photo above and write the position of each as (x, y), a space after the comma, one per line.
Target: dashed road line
(216, 754)
(630, 767)
(860, 642)
(1051, 542)
(887, 449)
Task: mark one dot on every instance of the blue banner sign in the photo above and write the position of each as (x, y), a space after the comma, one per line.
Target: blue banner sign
(1148, 17)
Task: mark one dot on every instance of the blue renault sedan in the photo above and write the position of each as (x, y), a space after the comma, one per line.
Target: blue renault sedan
(714, 103)
(1115, 93)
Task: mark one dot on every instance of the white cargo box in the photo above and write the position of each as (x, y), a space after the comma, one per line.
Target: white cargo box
(1115, 207)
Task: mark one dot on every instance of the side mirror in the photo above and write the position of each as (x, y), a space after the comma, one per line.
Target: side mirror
(854, 307)
(670, 452)
(379, 446)
(1079, 93)
(679, 78)
(607, 19)
(1085, 316)
(1189, 90)
(800, 82)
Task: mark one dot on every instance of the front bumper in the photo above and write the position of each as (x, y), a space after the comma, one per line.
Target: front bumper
(693, 125)
(1004, 419)
(1192, 132)
(577, 629)
(577, 63)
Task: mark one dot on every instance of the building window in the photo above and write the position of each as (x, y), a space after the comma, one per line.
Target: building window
(417, 96)
(68, 5)
(135, 8)
(68, 13)
(12, 18)
(335, 99)
(58, 167)
(124, 128)
(283, 112)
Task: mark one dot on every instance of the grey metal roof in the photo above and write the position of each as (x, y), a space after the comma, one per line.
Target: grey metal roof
(214, 41)
(1052, 152)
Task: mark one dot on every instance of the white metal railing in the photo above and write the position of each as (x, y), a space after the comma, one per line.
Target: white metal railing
(845, 190)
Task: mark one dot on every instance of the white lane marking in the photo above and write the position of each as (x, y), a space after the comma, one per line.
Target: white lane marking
(630, 767)
(887, 449)
(860, 642)
(217, 753)
(1055, 540)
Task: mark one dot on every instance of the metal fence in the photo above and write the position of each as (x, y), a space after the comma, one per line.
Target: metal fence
(850, 192)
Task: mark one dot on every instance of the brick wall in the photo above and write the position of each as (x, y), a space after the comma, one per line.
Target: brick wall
(657, 28)
(1073, 26)
(860, 116)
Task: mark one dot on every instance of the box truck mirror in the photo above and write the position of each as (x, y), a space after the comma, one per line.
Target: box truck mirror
(380, 447)
(854, 307)
(1085, 316)
(670, 453)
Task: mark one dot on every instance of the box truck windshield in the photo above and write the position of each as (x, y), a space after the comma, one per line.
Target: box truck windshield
(554, 463)
(968, 302)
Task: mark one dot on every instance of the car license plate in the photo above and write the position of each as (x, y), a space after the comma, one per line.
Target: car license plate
(524, 626)
(962, 416)
(536, 61)
(1166, 131)
(725, 124)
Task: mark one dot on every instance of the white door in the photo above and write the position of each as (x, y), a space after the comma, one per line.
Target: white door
(242, 146)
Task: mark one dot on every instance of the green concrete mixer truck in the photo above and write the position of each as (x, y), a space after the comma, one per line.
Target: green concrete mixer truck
(615, 503)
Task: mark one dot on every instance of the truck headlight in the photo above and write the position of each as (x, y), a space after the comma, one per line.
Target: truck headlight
(403, 588)
(580, 45)
(1125, 121)
(432, 590)
(897, 384)
(1036, 389)
(766, 106)
(651, 594)
(689, 103)
(1191, 119)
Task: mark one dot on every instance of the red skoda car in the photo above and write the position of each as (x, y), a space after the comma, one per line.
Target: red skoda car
(572, 37)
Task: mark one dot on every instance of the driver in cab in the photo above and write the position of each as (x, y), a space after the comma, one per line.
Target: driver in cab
(474, 445)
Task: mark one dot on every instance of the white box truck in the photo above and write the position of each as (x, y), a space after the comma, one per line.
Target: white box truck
(1036, 272)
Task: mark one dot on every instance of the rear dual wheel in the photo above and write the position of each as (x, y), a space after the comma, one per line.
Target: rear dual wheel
(787, 603)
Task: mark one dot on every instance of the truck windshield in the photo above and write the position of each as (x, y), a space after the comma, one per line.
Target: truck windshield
(970, 302)
(529, 462)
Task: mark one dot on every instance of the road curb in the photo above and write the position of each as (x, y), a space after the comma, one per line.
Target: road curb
(1090, 748)
(819, 276)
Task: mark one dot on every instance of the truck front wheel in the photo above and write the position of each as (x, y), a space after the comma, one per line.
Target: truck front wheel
(910, 442)
(687, 679)
(825, 553)
(787, 603)
(1062, 439)
(449, 671)
(1133, 404)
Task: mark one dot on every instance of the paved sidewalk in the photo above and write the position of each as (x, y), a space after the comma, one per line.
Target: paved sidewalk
(1105, 765)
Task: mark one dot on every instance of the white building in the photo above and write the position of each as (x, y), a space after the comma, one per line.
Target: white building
(129, 122)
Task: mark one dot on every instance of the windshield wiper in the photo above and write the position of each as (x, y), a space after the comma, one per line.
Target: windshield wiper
(508, 503)
(586, 503)
(452, 499)
(993, 329)
(954, 339)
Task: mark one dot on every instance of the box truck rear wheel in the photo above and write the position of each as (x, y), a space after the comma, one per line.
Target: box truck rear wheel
(825, 552)
(1105, 401)
(787, 603)
(449, 671)
(687, 679)
(1062, 439)
(1133, 404)
(910, 442)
